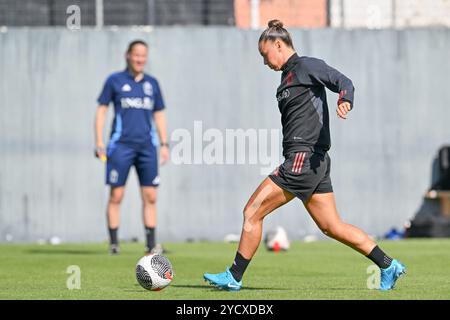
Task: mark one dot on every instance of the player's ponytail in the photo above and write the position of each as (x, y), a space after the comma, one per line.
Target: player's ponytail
(276, 31)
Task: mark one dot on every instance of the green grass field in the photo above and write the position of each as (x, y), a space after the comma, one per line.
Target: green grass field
(318, 270)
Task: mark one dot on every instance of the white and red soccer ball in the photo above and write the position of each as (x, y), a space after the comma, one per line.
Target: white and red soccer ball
(154, 272)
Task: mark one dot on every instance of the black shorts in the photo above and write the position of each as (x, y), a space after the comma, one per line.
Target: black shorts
(304, 173)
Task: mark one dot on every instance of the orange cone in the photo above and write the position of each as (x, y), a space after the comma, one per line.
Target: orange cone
(276, 246)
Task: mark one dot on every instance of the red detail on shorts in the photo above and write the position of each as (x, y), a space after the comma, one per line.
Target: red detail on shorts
(298, 162)
(301, 163)
(295, 161)
(167, 275)
(275, 173)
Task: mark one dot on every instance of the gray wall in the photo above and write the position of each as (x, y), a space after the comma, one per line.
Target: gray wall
(50, 183)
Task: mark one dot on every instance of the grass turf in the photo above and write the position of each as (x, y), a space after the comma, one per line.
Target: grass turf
(318, 270)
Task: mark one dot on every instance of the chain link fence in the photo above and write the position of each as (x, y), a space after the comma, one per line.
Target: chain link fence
(118, 12)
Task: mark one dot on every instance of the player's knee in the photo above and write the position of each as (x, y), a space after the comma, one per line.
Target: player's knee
(115, 198)
(149, 198)
(326, 229)
(332, 231)
(250, 215)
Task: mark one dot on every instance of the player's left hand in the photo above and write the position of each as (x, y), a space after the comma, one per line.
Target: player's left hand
(163, 154)
(342, 109)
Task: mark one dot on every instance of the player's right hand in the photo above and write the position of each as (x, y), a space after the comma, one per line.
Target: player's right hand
(100, 153)
(342, 110)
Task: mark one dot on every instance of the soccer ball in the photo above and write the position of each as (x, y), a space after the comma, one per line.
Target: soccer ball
(154, 272)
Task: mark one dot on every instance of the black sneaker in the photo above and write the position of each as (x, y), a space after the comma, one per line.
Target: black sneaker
(158, 249)
(114, 249)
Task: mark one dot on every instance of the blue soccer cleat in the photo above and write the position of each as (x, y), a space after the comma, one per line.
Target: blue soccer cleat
(223, 280)
(390, 275)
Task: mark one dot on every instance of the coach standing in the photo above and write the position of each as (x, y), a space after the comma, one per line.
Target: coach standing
(137, 100)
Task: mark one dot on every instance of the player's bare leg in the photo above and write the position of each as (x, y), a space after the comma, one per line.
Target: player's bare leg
(113, 215)
(113, 210)
(322, 208)
(149, 197)
(267, 197)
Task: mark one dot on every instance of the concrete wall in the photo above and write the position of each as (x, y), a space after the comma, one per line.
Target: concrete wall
(50, 183)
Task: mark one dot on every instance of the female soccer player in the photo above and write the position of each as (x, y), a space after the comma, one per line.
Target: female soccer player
(137, 100)
(306, 171)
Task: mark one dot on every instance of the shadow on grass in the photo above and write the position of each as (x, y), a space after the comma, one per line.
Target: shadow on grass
(205, 286)
(216, 289)
(138, 288)
(65, 251)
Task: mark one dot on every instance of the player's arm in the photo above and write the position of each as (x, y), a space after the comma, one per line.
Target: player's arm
(106, 96)
(100, 116)
(159, 118)
(320, 72)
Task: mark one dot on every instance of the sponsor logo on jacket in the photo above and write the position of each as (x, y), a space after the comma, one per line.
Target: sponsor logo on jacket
(283, 95)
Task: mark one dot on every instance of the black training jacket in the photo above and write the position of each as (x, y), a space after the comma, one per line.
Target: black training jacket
(303, 103)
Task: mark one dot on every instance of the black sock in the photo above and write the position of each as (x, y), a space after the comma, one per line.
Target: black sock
(113, 236)
(239, 266)
(379, 258)
(150, 237)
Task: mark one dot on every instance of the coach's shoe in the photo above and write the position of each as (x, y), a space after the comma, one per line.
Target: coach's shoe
(114, 249)
(223, 280)
(157, 249)
(390, 275)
